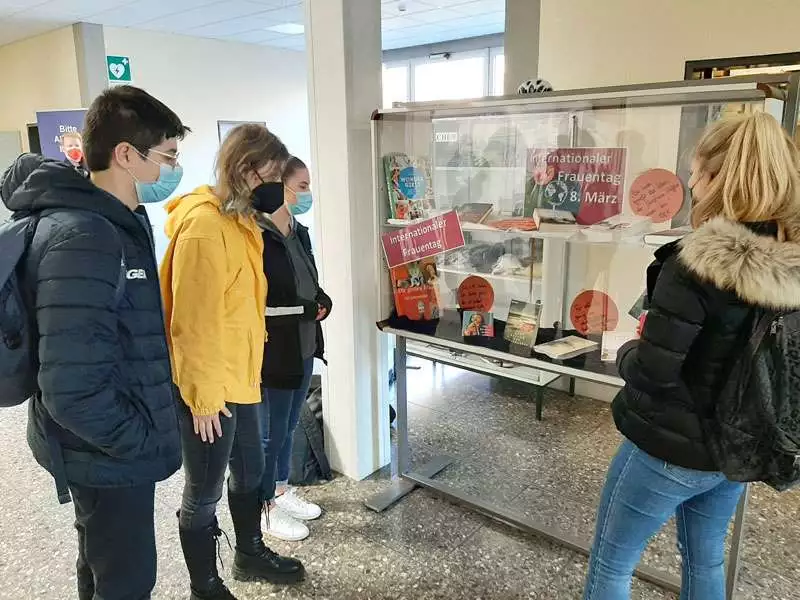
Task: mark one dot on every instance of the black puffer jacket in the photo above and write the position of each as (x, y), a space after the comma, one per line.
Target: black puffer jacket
(106, 387)
(702, 292)
(283, 361)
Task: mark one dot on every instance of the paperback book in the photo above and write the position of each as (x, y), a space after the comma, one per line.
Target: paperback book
(477, 324)
(565, 348)
(416, 290)
(522, 324)
(550, 220)
(409, 185)
(474, 212)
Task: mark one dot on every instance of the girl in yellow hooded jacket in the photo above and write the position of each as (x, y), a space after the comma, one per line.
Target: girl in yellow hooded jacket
(214, 289)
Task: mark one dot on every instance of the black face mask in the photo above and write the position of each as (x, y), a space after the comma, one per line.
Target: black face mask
(268, 197)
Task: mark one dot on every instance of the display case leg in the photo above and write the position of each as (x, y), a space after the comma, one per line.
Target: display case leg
(736, 544)
(539, 402)
(572, 386)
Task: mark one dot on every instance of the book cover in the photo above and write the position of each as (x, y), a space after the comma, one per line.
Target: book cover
(522, 324)
(564, 348)
(551, 220)
(477, 324)
(612, 342)
(474, 212)
(416, 290)
(409, 186)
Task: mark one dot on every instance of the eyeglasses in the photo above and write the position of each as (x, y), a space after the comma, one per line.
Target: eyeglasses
(172, 158)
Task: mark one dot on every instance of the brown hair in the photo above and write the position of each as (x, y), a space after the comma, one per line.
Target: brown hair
(247, 148)
(754, 168)
(293, 165)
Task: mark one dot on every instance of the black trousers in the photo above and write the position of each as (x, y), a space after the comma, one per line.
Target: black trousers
(240, 448)
(116, 542)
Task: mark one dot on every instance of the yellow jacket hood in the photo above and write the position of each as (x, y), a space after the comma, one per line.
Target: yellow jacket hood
(179, 207)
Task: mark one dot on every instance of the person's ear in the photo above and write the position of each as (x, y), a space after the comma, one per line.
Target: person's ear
(125, 155)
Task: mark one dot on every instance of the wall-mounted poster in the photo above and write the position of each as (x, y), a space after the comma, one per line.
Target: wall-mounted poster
(61, 134)
(224, 127)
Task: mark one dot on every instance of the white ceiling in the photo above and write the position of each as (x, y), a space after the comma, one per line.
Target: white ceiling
(421, 21)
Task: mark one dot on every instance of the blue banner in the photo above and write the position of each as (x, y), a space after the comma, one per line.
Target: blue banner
(60, 134)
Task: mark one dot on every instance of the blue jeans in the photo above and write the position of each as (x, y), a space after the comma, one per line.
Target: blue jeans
(640, 495)
(280, 412)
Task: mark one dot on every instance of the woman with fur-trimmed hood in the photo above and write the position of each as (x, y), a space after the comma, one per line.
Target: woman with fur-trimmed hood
(744, 253)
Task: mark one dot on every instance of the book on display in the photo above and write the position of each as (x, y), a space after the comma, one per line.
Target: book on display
(565, 348)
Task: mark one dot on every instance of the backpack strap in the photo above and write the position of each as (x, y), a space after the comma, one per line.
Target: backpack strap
(763, 325)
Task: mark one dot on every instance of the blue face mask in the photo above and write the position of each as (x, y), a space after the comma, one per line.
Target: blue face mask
(303, 204)
(169, 178)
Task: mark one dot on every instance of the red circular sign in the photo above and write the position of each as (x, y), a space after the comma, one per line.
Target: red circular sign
(658, 194)
(594, 312)
(475, 293)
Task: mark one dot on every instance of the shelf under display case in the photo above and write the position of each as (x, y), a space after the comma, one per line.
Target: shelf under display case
(556, 198)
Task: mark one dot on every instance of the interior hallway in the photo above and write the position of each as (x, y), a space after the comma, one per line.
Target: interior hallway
(424, 547)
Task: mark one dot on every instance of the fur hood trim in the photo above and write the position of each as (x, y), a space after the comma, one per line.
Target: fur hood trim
(759, 269)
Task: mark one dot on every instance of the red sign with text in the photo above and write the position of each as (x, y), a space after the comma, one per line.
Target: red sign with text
(588, 182)
(423, 239)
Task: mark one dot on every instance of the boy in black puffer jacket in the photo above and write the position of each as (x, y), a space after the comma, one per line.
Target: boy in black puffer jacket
(104, 421)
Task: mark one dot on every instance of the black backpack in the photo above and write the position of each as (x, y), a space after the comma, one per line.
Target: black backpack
(309, 463)
(754, 431)
(19, 365)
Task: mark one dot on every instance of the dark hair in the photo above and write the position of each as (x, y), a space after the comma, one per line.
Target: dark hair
(126, 114)
(293, 165)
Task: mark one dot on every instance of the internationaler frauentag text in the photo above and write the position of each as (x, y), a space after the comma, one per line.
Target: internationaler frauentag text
(409, 237)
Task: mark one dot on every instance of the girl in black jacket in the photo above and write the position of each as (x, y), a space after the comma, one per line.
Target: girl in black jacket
(296, 305)
(744, 253)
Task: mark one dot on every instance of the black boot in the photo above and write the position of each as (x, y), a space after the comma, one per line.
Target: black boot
(254, 561)
(200, 552)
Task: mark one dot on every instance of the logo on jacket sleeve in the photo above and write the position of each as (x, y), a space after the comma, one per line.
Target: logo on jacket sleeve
(136, 274)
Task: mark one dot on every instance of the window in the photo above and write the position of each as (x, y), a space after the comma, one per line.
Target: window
(462, 75)
(395, 84)
(498, 71)
(450, 79)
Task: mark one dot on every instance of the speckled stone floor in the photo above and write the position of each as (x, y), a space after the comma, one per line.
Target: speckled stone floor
(424, 547)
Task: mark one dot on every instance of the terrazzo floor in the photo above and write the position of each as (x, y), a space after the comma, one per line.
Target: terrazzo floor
(424, 547)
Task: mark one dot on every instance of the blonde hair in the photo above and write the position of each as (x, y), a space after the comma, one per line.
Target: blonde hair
(754, 168)
(247, 148)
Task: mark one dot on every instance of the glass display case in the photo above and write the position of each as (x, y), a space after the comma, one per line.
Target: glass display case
(516, 234)
(560, 199)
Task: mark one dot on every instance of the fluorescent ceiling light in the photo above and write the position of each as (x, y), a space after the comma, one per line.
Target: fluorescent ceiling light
(288, 28)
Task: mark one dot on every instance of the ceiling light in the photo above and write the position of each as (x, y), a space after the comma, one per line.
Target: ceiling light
(288, 28)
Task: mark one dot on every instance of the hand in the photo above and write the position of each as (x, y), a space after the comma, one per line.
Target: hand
(321, 312)
(206, 425)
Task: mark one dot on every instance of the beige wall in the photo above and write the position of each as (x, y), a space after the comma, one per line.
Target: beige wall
(38, 73)
(204, 81)
(588, 43)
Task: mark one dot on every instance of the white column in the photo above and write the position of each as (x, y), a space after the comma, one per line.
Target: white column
(343, 41)
(90, 54)
(521, 43)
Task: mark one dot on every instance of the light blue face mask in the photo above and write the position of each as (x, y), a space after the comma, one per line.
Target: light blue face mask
(169, 178)
(303, 204)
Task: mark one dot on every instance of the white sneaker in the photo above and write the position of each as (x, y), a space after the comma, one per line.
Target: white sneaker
(297, 507)
(277, 523)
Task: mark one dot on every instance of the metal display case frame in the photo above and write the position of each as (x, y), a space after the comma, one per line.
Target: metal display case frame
(780, 94)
